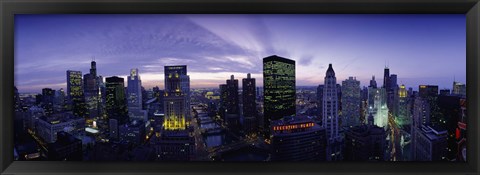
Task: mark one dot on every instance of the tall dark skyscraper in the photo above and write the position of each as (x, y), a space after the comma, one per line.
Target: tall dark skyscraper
(386, 78)
(75, 93)
(232, 115)
(48, 97)
(279, 89)
(249, 104)
(90, 83)
(116, 100)
(330, 115)
(320, 100)
(223, 101)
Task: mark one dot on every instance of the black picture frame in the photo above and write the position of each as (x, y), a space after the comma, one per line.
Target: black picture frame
(8, 8)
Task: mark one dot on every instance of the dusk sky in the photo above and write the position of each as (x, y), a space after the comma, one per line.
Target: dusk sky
(420, 49)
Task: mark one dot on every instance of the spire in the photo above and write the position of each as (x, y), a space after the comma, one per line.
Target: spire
(248, 75)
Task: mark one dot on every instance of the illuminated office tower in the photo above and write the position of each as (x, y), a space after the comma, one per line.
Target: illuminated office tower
(76, 98)
(134, 96)
(183, 85)
(459, 89)
(403, 107)
(174, 100)
(116, 104)
(249, 104)
(176, 141)
(351, 102)
(48, 97)
(278, 89)
(330, 116)
(90, 84)
(232, 103)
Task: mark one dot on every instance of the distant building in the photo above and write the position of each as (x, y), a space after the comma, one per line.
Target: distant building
(445, 92)
(279, 90)
(351, 101)
(249, 104)
(459, 89)
(67, 147)
(298, 140)
(49, 126)
(48, 99)
(427, 91)
(59, 101)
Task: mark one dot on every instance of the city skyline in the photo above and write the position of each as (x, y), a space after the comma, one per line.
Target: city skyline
(417, 48)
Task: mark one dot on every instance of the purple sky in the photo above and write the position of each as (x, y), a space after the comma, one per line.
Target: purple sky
(420, 49)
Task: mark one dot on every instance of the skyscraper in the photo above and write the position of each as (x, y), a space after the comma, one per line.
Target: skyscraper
(320, 100)
(279, 89)
(48, 97)
(116, 103)
(223, 101)
(297, 140)
(134, 96)
(183, 85)
(174, 105)
(351, 102)
(386, 78)
(232, 104)
(176, 141)
(459, 89)
(249, 104)
(134, 90)
(330, 115)
(90, 83)
(403, 107)
(75, 95)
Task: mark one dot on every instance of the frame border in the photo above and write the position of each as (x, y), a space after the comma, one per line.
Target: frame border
(8, 8)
